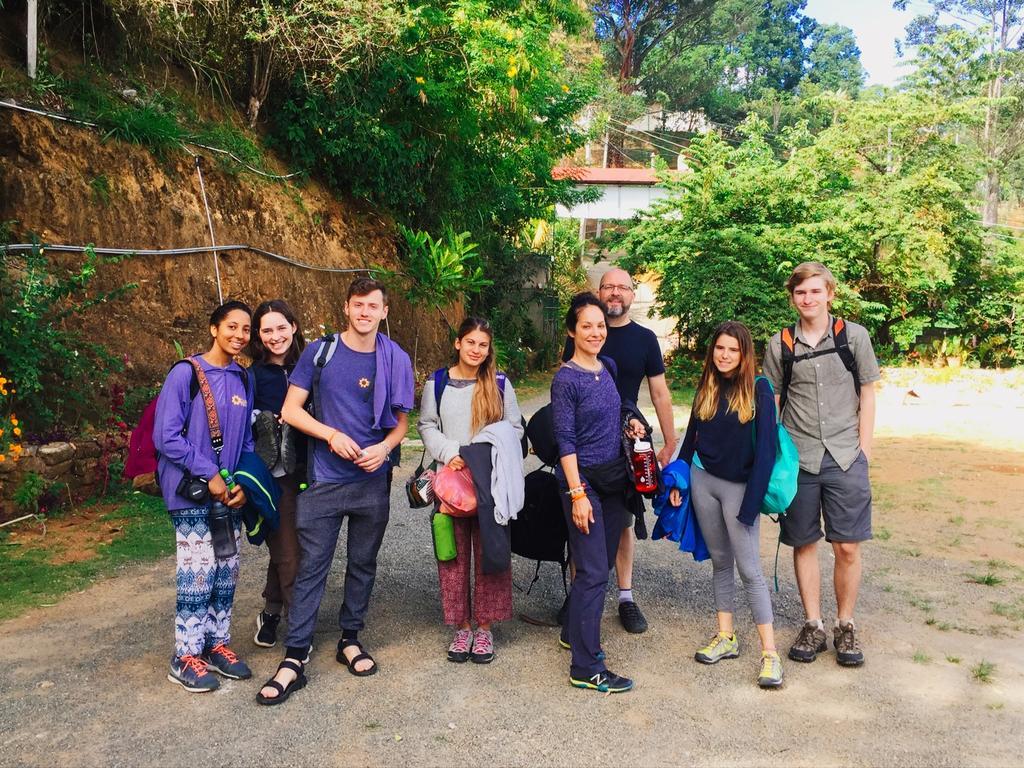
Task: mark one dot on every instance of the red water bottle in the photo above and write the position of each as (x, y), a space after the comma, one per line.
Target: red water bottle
(644, 476)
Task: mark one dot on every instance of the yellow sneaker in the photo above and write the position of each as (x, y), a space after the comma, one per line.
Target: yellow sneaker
(771, 670)
(722, 646)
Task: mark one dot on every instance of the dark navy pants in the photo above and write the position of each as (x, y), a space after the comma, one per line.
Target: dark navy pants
(593, 554)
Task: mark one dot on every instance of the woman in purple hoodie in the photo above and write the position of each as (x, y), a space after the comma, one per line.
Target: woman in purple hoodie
(189, 464)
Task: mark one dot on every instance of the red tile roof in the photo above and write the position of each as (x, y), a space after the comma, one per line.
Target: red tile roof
(640, 176)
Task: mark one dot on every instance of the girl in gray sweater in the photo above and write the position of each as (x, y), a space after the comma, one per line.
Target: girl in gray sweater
(471, 399)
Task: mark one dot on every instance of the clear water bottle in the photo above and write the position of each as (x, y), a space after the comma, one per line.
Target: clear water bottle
(644, 476)
(222, 531)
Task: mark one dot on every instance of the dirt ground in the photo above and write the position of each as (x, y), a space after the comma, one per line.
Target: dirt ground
(941, 611)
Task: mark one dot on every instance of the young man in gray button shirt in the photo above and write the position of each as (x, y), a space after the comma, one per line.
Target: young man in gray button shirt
(833, 428)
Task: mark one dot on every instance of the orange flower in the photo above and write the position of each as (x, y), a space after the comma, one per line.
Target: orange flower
(17, 431)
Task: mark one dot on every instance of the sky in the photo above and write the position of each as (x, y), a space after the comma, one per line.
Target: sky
(876, 25)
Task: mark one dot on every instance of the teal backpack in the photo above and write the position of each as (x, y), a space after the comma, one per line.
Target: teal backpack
(782, 484)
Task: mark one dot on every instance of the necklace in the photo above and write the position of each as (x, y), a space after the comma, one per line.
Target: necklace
(576, 366)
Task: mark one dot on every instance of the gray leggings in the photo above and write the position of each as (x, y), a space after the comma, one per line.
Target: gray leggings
(717, 502)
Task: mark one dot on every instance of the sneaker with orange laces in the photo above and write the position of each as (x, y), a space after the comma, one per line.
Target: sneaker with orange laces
(224, 661)
(191, 674)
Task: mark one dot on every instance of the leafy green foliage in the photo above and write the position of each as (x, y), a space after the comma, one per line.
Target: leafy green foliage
(883, 196)
(437, 271)
(58, 370)
(26, 495)
(460, 124)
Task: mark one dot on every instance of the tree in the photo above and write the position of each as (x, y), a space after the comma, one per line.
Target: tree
(882, 196)
(259, 42)
(460, 123)
(1002, 22)
(833, 59)
(630, 31)
(633, 29)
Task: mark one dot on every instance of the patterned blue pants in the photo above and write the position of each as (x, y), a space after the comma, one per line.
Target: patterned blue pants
(206, 585)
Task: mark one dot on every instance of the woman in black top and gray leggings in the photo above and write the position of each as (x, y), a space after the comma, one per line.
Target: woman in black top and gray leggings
(730, 443)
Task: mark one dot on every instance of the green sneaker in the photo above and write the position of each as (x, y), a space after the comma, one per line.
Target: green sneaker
(722, 646)
(771, 670)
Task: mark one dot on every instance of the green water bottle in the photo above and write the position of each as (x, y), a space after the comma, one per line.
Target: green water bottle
(228, 479)
(443, 529)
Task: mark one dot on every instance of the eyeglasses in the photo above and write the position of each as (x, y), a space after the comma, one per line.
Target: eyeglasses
(619, 288)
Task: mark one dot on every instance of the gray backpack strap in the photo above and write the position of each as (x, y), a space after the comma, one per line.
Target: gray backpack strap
(328, 346)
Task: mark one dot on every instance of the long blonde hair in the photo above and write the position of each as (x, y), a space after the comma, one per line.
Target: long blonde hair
(741, 393)
(488, 406)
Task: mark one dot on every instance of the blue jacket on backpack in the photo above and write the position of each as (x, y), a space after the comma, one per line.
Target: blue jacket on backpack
(259, 513)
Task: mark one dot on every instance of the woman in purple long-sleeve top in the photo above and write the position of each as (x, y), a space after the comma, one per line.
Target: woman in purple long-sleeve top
(181, 432)
(592, 472)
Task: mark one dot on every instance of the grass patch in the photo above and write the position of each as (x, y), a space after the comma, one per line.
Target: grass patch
(231, 139)
(921, 603)
(920, 657)
(31, 578)
(682, 394)
(988, 579)
(1011, 611)
(984, 671)
(883, 534)
(100, 186)
(953, 659)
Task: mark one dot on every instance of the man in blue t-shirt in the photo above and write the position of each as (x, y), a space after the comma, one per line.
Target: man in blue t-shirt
(361, 410)
(637, 356)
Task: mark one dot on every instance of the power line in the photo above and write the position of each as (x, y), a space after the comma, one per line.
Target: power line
(19, 247)
(647, 133)
(620, 132)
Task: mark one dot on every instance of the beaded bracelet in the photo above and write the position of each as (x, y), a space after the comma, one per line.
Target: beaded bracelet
(577, 493)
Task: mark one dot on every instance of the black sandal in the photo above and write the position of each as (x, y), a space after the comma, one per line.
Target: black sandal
(361, 656)
(283, 692)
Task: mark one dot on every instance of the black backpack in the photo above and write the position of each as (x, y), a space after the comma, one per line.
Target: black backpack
(540, 532)
(789, 357)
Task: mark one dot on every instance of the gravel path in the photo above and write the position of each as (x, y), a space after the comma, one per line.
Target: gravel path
(84, 682)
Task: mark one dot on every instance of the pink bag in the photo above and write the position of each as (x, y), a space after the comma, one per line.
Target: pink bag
(454, 489)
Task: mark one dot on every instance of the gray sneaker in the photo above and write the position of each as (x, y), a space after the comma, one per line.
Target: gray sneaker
(809, 643)
(848, 652)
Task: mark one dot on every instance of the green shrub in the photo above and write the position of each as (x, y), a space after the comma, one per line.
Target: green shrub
(58, 370)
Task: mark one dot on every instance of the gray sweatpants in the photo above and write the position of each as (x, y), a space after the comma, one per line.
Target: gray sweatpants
(319, 514)
(717, 502)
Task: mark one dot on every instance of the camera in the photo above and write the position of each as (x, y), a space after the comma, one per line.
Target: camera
(193, 488)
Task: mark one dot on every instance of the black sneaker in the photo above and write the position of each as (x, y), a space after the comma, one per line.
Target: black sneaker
(848, 651)
(603, 682)
(632, 618)
(266, 629)
(808, 644)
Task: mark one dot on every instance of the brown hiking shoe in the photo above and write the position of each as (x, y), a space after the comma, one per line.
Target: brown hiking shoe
(809, 643)
(848, 652)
